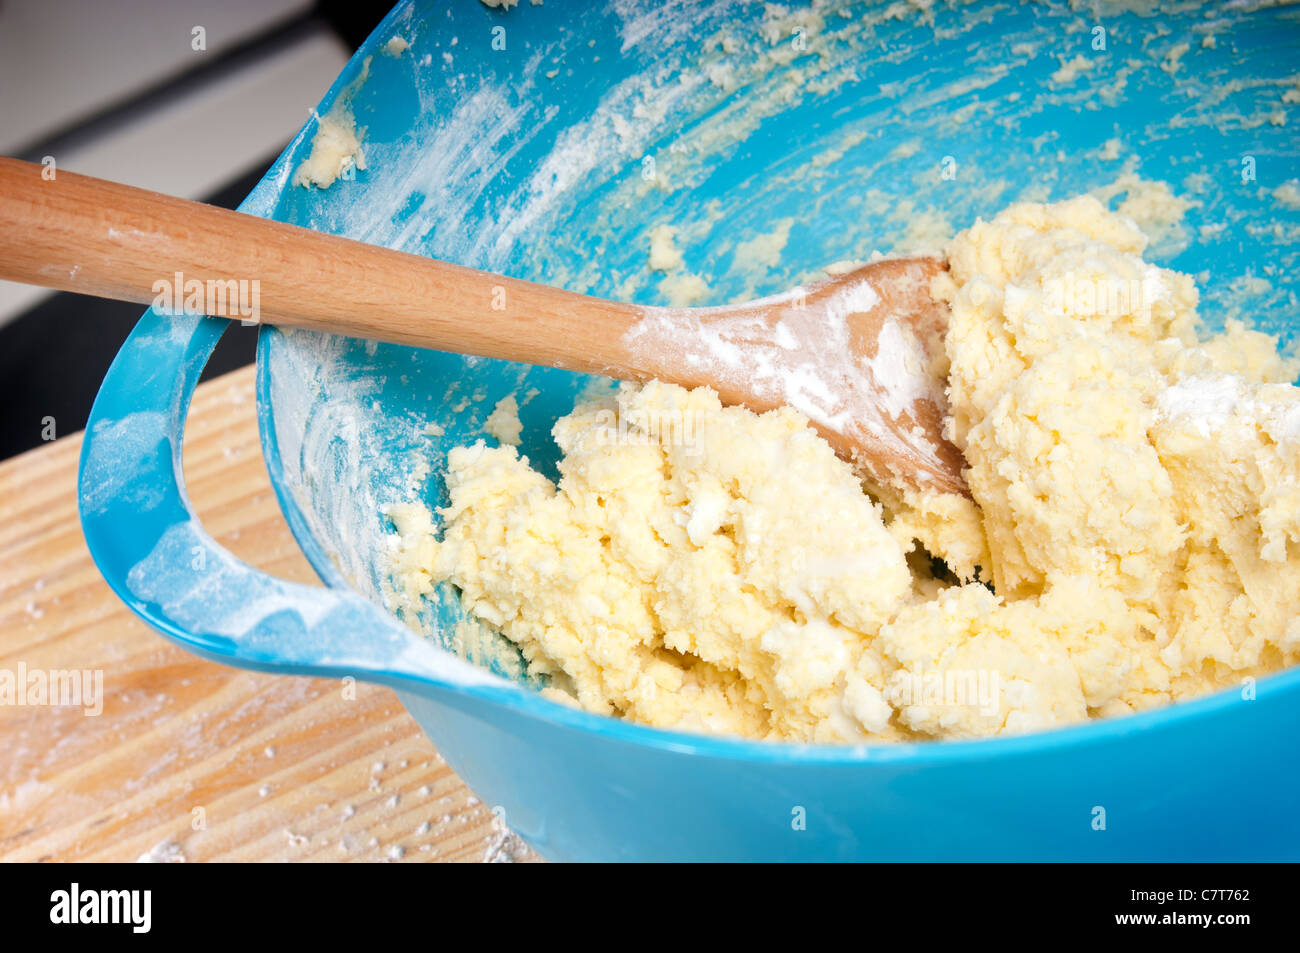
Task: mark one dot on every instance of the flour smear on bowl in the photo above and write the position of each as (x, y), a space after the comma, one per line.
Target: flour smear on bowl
(1134, 537)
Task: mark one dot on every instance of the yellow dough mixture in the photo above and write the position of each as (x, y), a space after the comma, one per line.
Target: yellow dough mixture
(1135, 536)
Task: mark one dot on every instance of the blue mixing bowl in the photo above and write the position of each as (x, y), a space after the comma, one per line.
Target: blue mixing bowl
(545, 143)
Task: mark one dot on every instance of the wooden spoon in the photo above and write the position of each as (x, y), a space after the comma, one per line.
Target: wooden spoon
(852, 353)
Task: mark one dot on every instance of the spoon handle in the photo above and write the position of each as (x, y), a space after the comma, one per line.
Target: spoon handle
(76, 233)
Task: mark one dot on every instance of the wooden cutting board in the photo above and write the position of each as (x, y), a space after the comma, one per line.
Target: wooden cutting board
(190, 760)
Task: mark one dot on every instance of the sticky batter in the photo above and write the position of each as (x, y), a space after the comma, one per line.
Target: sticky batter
(335, 149)
(1134, 540)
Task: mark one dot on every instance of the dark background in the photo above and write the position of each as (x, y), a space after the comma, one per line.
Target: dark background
(53, 357)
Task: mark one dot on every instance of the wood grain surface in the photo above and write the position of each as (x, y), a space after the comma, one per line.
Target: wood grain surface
(190, 760)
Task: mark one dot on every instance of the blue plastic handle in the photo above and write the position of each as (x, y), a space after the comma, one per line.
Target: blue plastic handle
(148, 542)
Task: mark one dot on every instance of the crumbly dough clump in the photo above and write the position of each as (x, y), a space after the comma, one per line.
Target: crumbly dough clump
(335, 149)
(1134, 536)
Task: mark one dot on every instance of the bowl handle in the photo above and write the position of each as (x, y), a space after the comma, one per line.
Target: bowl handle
(148, 543)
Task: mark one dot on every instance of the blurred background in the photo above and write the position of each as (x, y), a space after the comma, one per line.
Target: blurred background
(187, 97)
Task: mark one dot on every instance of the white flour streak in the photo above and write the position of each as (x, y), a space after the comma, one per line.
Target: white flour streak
(899, 368)
(1204, 403)
(1208, 404)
